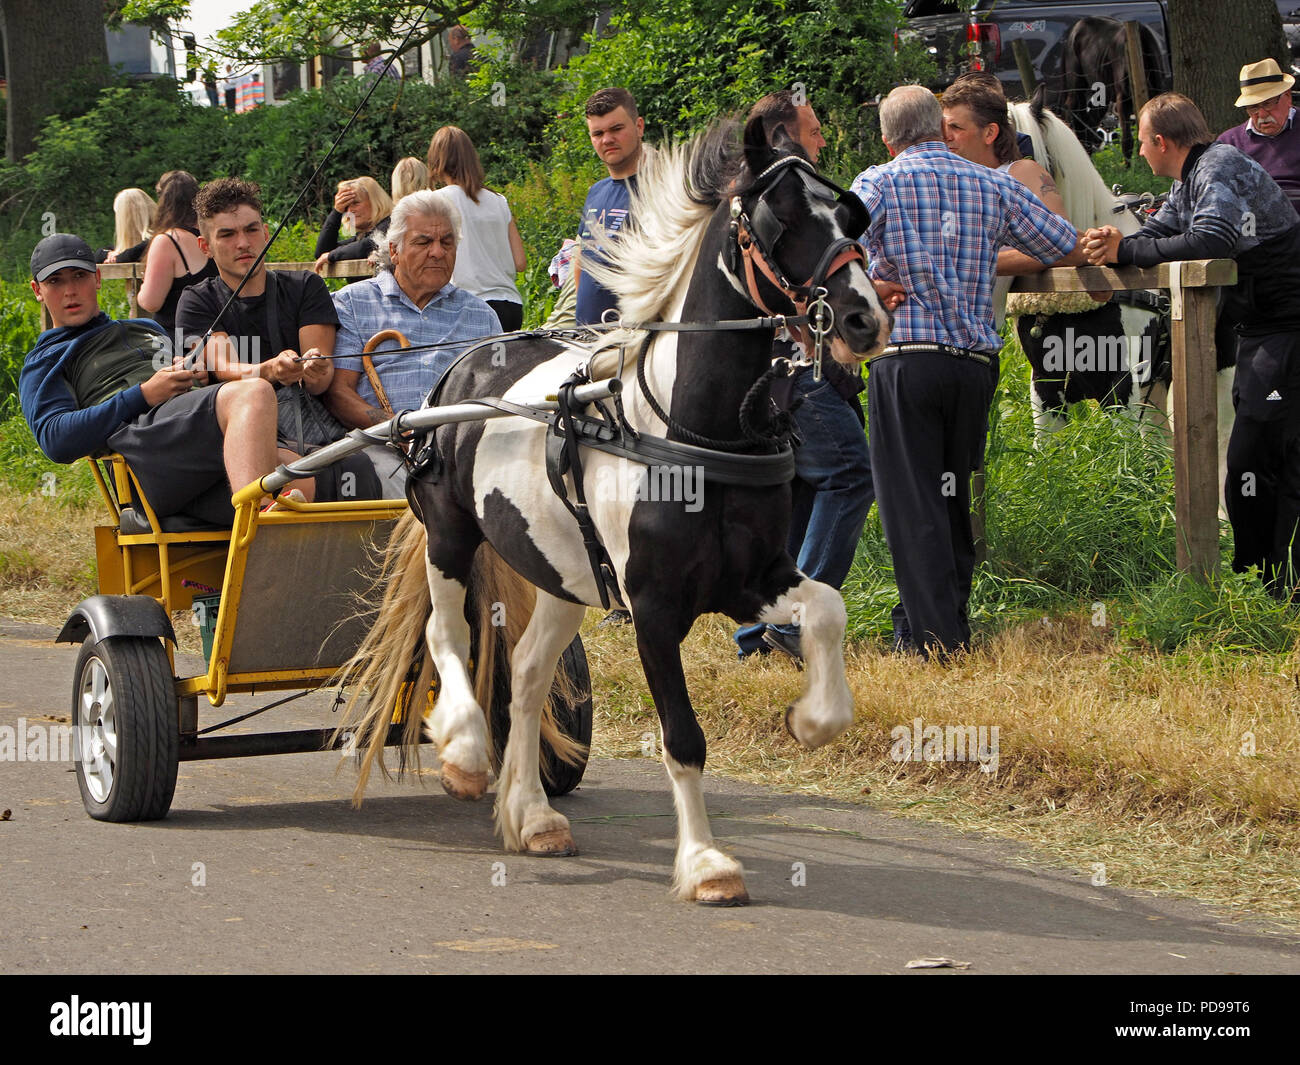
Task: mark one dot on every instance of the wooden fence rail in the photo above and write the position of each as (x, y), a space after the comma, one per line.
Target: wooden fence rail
(133, 274)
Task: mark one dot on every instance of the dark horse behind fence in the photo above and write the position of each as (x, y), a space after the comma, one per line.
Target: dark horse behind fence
(1096, 80)
(722, 234)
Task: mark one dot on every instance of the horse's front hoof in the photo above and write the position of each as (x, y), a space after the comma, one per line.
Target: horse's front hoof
(461, 785)
(789, 724)
(725, 891)
(558, 843)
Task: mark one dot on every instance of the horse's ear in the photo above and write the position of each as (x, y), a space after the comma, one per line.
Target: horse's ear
(758, 153)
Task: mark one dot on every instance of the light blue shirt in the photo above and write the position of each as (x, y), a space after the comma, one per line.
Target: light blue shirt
(377, 303)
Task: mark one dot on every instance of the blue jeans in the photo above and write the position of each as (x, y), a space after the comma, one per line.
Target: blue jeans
(832, 493)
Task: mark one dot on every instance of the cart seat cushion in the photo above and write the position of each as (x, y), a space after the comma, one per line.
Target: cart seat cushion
(133, 523)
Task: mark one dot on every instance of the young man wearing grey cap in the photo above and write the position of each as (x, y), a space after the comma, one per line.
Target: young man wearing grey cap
(94, 384)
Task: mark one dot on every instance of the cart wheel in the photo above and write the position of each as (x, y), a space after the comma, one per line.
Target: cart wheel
(124, 719)
(573, 716)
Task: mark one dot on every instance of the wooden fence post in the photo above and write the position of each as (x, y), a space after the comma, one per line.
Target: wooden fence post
(1027, 79)
(1196, 429)
(1137, 71)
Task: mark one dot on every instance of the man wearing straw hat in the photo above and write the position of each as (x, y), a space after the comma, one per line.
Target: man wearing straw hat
(1269, 135)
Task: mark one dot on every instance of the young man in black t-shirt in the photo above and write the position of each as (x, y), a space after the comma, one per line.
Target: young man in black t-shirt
(281, 328)
(276, 319)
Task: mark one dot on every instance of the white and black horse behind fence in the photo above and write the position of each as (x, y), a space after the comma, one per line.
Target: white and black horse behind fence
(721, 236)
(1117, 352)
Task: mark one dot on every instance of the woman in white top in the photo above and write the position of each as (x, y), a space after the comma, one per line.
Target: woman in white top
(490, 251)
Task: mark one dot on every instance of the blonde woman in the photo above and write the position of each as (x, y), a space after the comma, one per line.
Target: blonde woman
(133, 211)
(490, 251)
(409, 175)
(369, 205)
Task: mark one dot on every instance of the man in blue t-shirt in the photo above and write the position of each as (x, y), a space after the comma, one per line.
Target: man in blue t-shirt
(616, 131)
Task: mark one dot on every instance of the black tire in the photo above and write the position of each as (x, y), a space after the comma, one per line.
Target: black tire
(573, 717)
(124, 691)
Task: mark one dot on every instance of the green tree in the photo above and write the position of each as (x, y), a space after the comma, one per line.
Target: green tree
(291, 30)
(690, 61)
(49, 69)
(1247, 32)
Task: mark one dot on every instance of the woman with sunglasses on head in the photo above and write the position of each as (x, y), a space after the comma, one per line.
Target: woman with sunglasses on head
(362, 207)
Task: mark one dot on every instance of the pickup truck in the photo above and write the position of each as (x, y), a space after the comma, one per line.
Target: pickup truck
(960, 36)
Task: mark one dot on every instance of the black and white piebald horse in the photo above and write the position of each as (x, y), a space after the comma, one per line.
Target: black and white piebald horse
(720, 231)
(1118, 353)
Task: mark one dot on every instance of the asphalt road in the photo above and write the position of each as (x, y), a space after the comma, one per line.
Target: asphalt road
(264, 867)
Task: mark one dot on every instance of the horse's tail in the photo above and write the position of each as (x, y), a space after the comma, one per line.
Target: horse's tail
(391, 673)
(392, 664)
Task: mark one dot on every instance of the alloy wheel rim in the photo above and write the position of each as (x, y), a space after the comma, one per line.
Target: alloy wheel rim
(98, 730)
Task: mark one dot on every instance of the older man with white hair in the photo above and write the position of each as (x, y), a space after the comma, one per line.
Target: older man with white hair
(937, 222)
(412, 293)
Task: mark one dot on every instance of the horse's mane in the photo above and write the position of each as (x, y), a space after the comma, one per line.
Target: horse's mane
(1088, 202)
(678, 187)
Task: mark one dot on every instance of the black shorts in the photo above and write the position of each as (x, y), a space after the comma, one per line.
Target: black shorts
(176, 451)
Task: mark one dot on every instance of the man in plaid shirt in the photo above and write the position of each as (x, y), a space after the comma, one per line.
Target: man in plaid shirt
(937, 222)
(412, 293)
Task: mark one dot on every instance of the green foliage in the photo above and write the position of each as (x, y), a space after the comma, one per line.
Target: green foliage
(689, 62)
(1089, 510)
(1085, 517)
(1135, 178)
(1232, 612)
(131, 136)
(546, 206)
(134, 134)
(27, 470)
(19, 328)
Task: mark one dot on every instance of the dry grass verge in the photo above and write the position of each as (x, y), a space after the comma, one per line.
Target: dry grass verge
(47, 555)
(1136, 762)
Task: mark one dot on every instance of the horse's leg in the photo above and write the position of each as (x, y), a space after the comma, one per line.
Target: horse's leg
(524, 817)
(457, 724)
(1047, 420)
(701, 872)
(825, 709)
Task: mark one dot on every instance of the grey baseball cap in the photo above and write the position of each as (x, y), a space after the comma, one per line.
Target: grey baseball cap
(58, 251)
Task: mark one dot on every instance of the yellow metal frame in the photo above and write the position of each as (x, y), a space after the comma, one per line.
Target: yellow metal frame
(126, 567)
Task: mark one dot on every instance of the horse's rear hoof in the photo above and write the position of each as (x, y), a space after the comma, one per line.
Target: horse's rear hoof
(725, 891)
(557, 843)
(461, 785)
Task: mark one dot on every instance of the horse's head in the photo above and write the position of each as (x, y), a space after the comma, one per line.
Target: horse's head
(797, 235)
